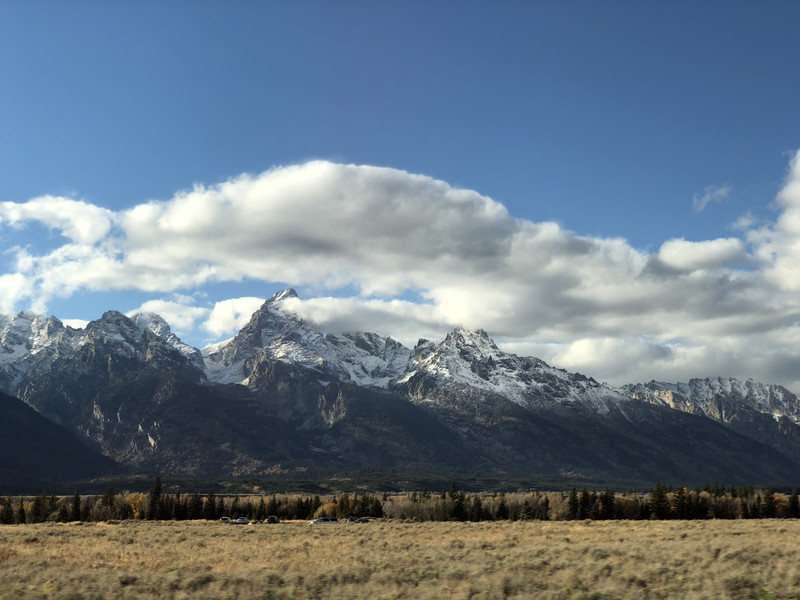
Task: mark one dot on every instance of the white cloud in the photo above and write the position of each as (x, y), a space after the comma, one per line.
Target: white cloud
(690, 256)
(14, 287)
(179, 313)
(779, 246)
(596, 305)
(745, 222)
(711, 194)
(76, 220)
(228, 316)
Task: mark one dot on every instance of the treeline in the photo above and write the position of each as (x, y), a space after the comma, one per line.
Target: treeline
(661, 502)
(158, 505)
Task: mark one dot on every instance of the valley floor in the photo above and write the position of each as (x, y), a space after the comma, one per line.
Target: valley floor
(394, 559)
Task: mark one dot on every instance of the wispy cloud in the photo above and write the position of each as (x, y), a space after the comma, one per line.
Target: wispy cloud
(711, 194)
(597, 305)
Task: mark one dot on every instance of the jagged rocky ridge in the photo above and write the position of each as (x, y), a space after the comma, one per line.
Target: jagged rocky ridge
(282, 397)
(765, 412)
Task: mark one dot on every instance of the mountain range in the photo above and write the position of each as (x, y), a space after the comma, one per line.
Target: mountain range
(282, 399)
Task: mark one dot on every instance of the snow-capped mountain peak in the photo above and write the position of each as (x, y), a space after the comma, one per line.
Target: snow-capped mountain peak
(471, 358)
(273, 329)
(465, 358)
(277, 333)
(156, 325)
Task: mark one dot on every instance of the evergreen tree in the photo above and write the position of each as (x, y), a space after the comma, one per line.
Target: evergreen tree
(261, 510)
(572, 504)
(502, 509)
(7, 512)
(459, 511)
(154, 501)
(376, 508)
(543, 509)
(180, 507)
(756, 507)
(680, 504)
(272, 506)
(584, 504)
(38, 512)
(63, 511)
(109, 498)
(768, 506)
(794, 505)
(195, 508)
(344, 506)
(19, 515)
(453, 491)
(210, 507)
(658, 501)
(606, 504)
(75, 515)
(477, 508)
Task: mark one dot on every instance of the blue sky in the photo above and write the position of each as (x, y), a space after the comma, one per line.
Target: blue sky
(590, 140)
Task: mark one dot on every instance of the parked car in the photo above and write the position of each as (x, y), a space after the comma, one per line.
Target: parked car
(225, 520)
(272, 519)
(242, 521)
(323, 520)
(358, 520)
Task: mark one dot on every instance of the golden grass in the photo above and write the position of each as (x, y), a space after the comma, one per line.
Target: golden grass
(392, 559)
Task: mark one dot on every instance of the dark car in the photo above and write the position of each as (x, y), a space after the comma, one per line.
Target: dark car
(272, 519)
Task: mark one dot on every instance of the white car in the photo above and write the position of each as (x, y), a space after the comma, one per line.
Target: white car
(242, 521)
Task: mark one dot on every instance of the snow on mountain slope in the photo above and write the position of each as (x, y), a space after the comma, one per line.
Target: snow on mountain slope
(464, 358)
(720, 398)
(156, 325)
(364, 358)
(28, 342)
(472, 359)
(369, 358)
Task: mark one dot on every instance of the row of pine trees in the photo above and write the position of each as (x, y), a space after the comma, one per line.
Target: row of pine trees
(158, 505)
(661, 502)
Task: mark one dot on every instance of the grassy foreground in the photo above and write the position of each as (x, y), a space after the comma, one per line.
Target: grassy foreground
(525, 559)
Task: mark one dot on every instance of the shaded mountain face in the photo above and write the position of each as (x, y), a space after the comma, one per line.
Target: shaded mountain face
(282, 397)
(769, 413)
(37, 453)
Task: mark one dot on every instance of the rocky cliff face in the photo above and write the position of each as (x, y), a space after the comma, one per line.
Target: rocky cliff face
(764, 412)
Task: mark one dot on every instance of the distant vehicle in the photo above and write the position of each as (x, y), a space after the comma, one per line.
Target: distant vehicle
(242, 521)
(323, 520)
(225, 520)
(272, 519)
(358, 520)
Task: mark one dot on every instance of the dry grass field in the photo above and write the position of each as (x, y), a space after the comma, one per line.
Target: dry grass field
(393, 559)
